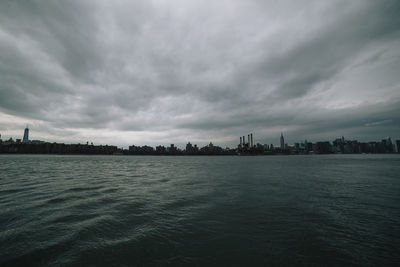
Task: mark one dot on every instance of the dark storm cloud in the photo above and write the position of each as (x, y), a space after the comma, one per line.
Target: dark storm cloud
(332, 48)
(174, 70)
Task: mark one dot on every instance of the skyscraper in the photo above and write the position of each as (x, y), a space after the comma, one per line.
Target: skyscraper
(26, 135)
(282, 142)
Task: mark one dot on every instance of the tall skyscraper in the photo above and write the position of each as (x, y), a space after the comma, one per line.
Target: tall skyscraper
(282, 142)
(26, 135)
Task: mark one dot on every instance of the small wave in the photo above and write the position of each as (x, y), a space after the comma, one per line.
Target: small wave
(58, 200)
(109, 190)
(11, 191)
(83, 188)
(72, 218)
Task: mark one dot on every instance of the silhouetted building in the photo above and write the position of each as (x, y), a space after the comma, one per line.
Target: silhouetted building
(387, 144)
(308, 146)
(141, 150)
(323, 147)
(282, 142)
(210, 149)
(26, 135)
(190, 149)
(338, 145)
(260, 146)
(172, 149)
(364, 148)
(161, 149)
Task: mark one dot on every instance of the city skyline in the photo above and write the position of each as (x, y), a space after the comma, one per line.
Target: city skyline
(338, 145)
(160, 72)
(244, 148)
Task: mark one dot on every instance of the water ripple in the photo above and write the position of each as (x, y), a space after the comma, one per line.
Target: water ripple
(235, 211)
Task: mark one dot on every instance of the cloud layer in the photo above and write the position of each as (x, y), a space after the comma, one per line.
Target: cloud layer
(158, 72)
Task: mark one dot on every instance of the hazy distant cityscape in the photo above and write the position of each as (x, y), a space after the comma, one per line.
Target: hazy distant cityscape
(246, 146)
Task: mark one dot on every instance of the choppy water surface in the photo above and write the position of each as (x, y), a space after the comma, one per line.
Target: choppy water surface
(189, 211)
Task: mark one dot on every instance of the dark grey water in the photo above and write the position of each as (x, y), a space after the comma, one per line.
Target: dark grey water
(190, 211)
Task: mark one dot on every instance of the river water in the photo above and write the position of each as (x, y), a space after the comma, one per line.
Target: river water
(199, 211)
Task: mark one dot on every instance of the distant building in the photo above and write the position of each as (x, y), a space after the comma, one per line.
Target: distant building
(323, 147)
(282, 142)
(26, 135)
(172, 149)
(309, 146)
(161, 149)
(38, 142)
(389, 145)
(190, 149)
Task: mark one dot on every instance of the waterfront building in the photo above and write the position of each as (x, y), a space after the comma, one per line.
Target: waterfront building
(172, 149)
(190, 149)
(160, 149)
(388, 144)
(26, 135)
(323, 147)
(282, 142)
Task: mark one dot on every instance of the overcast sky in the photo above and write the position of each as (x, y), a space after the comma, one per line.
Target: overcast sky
(161, 72)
